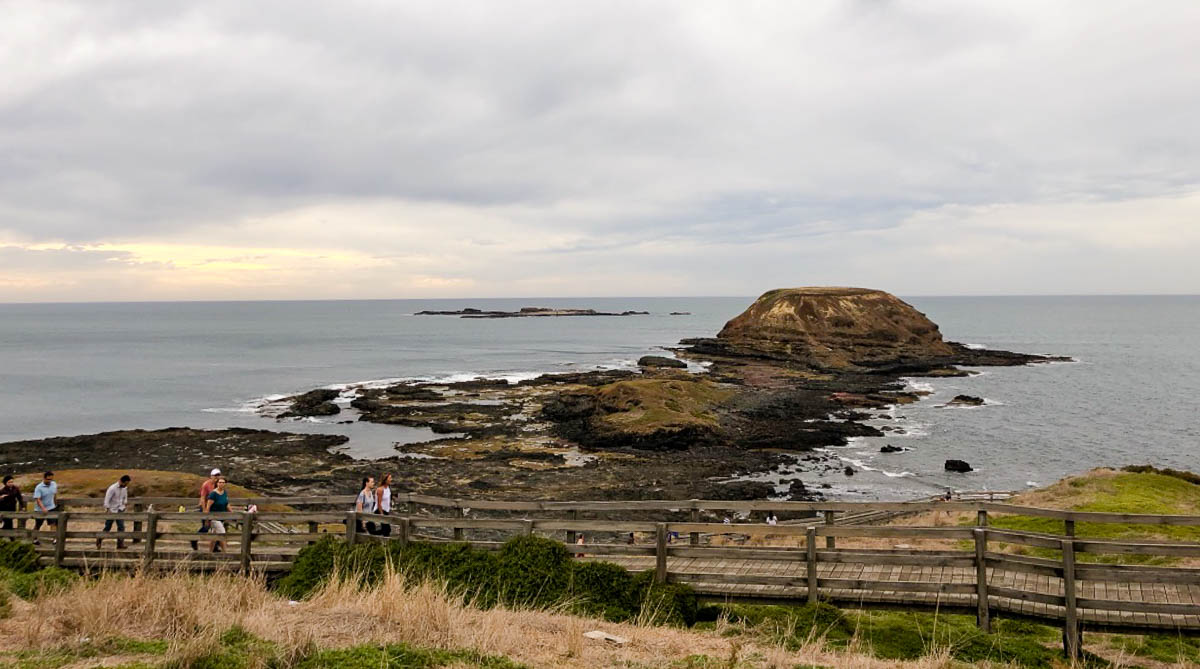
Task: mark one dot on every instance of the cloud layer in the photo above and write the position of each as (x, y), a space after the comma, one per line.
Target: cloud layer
(365, 149)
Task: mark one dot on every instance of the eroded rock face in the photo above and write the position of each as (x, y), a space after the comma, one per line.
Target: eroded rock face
(835, 328)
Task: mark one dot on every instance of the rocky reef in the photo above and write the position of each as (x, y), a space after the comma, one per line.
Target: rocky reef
(800, 369)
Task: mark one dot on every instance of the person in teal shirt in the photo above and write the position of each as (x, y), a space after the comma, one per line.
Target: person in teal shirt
(43, 502)
(217, 502)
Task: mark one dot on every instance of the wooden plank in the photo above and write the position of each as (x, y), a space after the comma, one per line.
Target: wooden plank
(903, 586)
(466, 523)
(1071, 636)
(1137, 574)
(247, 539)
(1138, 607)
(776, 554)
(1025, 595)
(1179, 549)
(734, 579)
(1024, 564)
(151, 539)
(1034, 539)
(845, 556)
(594, 525)
(897, 532)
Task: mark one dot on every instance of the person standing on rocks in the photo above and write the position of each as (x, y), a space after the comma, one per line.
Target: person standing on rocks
(10, 500)
(217, 502)
(383, 502)
(115, 499)
(43, 502)
(208, 486)
(365, 503)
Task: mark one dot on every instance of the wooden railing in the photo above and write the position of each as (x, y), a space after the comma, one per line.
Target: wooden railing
(957, 567)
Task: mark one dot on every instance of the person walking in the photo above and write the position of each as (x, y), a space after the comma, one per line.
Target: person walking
(365, 503)
(771, 519)
(383, 502)
(208, 486)
(43, 502)
(115, 499)
(217, 502)
(10, 500)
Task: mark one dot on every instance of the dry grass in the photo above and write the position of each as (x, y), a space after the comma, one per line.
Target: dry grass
(191, 611)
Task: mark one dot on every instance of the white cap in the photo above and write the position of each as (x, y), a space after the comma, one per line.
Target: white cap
(214, 472)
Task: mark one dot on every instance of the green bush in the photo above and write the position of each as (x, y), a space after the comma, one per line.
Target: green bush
(18, 556)
(533, 572)
(603, 589)
(527, 571)
(312, 567)
(48, 581)
(5, 604)
(665, 603)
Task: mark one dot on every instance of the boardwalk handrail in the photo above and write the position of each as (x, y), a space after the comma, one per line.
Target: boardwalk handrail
(980, 578)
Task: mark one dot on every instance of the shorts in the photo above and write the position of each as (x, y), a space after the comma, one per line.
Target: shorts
(216, 527)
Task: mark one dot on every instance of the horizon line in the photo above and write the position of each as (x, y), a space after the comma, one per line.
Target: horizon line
(564, 297)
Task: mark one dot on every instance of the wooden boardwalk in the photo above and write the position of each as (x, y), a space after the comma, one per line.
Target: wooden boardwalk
(827, 551)
(786, 582)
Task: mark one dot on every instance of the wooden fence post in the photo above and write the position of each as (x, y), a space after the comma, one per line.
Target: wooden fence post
(983, 617)
(660, 552)
(247, 539)
(571, 533)
(694, 537)
(137, 524)
(1072, 639)
(527, 530)
(60, 538)
(351, 527)
(810, 546)
(830, 543)
(151, 539)
(405, 530)
(981, 518)
(312, 529)
(1069, 528)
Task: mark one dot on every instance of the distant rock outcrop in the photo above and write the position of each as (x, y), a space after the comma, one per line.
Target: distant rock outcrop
(832, 328)
(317, 402)
(661, 361)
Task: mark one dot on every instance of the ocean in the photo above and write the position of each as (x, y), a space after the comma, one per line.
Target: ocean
(1129, 398)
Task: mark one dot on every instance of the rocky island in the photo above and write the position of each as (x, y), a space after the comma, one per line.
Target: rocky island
(800, 369)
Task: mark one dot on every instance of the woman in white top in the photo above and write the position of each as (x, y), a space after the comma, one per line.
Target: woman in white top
(383, 502)
(365, 503)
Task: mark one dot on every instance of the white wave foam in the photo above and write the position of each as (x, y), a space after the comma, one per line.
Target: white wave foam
(918, 386)
(976, 347)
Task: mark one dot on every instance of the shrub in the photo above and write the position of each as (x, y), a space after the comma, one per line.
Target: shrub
(47, 581)
(603, 589)
(18, 556)
(5, 604)
(313, 566)
(533, 571)
(665, 603)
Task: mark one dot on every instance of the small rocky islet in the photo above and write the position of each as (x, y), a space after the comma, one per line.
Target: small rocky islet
(800, 369)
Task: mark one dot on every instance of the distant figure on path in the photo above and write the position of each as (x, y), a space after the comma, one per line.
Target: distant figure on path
(43, 502)
(208, 486)
(771, 519)
(114, 502)
(217, 502)
(10, 500)
(383, 502)
(579, 541)
(365, 503)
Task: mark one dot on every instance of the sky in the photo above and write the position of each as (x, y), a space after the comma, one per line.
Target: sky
(360, 149)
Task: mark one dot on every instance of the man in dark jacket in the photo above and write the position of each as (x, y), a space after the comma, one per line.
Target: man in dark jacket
(10, 500)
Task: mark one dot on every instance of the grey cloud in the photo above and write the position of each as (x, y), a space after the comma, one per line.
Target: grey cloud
(721, 123)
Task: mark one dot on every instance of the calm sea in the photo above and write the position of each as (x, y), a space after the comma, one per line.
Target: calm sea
(1131, 398)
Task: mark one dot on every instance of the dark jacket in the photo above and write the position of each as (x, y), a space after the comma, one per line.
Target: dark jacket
(10, 498)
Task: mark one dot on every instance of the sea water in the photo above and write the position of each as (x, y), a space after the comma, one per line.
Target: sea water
(1130, 397)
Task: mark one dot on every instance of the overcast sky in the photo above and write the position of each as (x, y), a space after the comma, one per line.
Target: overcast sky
(290, 150)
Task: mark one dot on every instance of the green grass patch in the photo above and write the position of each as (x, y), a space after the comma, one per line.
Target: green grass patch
(1164, 648)
(401, 656)
(526, 572)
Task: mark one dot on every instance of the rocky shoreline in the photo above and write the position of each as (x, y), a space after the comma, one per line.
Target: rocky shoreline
(801, 369)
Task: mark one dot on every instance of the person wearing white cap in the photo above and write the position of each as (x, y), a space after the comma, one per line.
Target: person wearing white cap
(208, 486)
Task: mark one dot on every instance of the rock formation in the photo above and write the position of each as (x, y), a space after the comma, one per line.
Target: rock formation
(831, 328)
